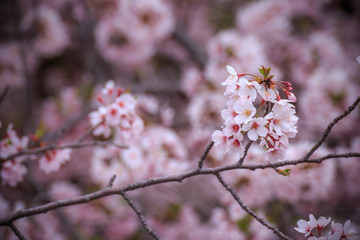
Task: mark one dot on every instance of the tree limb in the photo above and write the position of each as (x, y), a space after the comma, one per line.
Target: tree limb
(330, 126)
(16, 231)
(154, 181)
(140, 216)
(249, 211)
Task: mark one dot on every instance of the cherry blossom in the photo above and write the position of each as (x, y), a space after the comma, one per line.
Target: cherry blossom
(338, 231)
(117, 114)
(245, 110)
(306, 227)
(12, 170)
(52, 160)
(52, 35)
(241, 116)
(256, 128)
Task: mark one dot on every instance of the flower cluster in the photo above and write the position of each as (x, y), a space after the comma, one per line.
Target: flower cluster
(314, 229)
(12, 171)
(272, 126)
(117, 112)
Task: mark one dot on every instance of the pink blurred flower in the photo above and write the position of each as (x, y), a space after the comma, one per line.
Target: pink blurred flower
(51, 34)
(53, 159)
(12, 170)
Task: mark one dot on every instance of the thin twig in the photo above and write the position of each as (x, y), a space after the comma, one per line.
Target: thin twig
(140, 216)
(247, 147)
(16, 231)
(330, 126)
(197, 53)
(66, 224)
(3, 95)
(207, 150)
(154, 181)
(249, 211)
(111, 182)
(58, 147)
(70, 123)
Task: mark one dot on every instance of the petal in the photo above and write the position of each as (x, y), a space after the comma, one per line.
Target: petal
(252, 135)
(262, 131)
(231, 70)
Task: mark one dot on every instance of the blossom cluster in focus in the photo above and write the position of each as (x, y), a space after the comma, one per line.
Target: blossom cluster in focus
(314, 229)
(273, 127)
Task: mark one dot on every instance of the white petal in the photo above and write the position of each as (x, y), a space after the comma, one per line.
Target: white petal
(231, 70)
(252, 135)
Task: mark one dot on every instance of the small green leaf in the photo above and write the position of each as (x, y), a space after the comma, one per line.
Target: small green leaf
(285, 172)
(172, 212)
(261, 71)
(40, 131)
(244, 224)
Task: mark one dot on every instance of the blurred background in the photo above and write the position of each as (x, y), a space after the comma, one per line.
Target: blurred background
(55, 56)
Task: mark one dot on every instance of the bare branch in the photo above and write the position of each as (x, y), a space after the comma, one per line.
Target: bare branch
(89, 131)
(154, 181)
(247, 147)
(278, 164)
(66, 225)
(53, 146)
(140, 216)
(3, 95)
(330, 126)
(197, 53)
(210, 145)
(249, 211)
(16, 231)
(111, 182)
(70, 123)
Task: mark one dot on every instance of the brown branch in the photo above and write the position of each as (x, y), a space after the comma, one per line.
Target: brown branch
(3, 95)
(53, 147)
(207, 150)
(247, 147)
(154, 181)
(111, 182)
(249, 211)
(330, 126)
(16, 231)
(176, 178)
(70, 123)
(66, 224)
(197, 53)
(140, 216)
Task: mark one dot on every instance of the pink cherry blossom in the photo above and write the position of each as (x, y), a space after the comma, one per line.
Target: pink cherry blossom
(219, 138)
(245, 110)
(52, 160)
(12, 170)
(256, 128)
(267, 93)
(117, 114)
(306, 226)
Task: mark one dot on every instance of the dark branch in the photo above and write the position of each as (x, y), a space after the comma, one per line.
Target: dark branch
(3, 95)
(154, 181)
(53, 146)
(140, 216)
(16, 231)
(249, 211)
(197, 53)
(210, 145)
(247, 147)
(111, 182)
(330, 126)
